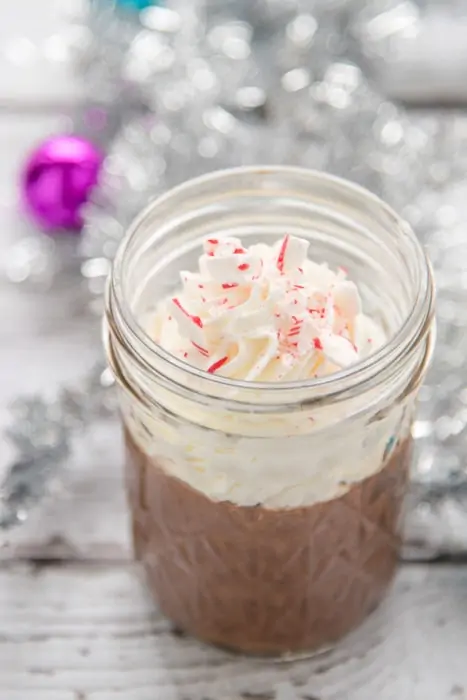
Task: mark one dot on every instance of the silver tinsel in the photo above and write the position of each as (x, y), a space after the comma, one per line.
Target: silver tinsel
(233, 82)
(236, 83)
(42, 434)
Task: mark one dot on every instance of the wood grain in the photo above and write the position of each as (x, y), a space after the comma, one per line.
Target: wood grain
(88, 632)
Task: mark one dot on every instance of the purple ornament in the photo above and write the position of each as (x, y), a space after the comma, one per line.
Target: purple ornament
(58, 179)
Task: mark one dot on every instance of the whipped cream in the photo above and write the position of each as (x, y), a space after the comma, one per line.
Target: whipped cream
(265, 313)
(277, 471)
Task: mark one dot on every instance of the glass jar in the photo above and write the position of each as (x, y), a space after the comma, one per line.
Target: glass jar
(267, 515)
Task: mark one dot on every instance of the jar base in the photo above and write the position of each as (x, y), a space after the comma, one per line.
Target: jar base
(274, 654)
(278, 657)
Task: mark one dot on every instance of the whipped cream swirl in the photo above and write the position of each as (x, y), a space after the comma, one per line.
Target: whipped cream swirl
(265, 313)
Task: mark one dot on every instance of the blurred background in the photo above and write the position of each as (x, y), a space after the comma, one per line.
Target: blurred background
(107, 103)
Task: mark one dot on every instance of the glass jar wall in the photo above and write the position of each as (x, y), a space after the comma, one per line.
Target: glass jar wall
(267, 515)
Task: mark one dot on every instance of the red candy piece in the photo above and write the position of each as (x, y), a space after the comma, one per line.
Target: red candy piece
(217, 365)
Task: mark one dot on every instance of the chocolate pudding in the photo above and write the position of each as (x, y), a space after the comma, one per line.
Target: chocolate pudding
(263, 580)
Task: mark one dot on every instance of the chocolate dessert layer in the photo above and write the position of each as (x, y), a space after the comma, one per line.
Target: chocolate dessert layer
(260, 580)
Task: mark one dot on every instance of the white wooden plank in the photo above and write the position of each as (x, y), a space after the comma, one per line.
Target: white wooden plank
(89, 632)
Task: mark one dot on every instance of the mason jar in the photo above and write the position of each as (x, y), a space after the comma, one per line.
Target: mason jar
(267, 515)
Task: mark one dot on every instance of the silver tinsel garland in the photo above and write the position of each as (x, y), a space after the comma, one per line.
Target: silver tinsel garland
(223, 83)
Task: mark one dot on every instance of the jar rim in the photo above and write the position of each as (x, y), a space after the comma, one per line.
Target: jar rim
(414, 327)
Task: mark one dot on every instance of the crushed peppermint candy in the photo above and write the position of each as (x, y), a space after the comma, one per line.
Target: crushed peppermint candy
(266, 313)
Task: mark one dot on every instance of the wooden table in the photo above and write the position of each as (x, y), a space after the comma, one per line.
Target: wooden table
(85, 631)
(75, 623)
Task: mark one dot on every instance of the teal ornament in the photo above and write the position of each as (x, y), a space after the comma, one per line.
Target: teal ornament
(137, 5)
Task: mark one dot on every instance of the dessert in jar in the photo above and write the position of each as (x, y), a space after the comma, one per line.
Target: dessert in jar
(269, 329)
